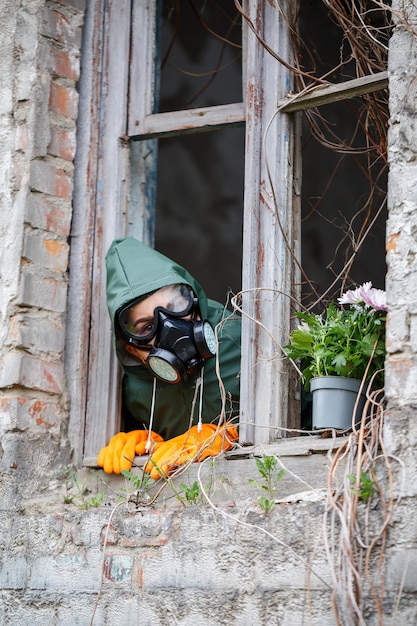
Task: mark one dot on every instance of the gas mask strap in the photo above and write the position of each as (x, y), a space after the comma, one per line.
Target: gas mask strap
(152, 413)
(198, 394)
(200, 405)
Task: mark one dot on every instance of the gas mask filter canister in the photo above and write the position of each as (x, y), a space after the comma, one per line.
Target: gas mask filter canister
(181, 347)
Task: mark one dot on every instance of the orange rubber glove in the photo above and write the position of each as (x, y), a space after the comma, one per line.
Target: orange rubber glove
(120, 452)
(189, 447)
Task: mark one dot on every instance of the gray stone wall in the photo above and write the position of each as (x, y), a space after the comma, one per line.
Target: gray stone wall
(400, 433)
(171, 566)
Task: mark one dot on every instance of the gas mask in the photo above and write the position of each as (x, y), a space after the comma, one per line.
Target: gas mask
(177, 347)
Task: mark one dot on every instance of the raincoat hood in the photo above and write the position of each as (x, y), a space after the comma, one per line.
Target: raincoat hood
(134, 270)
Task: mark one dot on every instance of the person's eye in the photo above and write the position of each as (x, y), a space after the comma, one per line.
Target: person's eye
(143, 329)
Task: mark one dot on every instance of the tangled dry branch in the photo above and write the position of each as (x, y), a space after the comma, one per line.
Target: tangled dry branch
(363, 28)
(358, 514)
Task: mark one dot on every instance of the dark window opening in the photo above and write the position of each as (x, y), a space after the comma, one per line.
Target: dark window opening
(200, 54)
(199, 192)
(199, 207)
(344, 184)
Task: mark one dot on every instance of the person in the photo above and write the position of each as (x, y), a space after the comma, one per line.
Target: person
(180, 357)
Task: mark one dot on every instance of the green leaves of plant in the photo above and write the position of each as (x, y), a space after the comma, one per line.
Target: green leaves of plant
(191, 493)
(366, 485)
(140, 482)
(339, 342)
(267, 468)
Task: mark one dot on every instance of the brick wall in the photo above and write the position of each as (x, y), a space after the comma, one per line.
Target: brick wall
(44, 65)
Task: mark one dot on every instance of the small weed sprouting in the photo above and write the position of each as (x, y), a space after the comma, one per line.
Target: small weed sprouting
(267, 468)
(68, 499)
(81, 499)
(189, 494)
(141, 484)
(366, 485)
(91, 502)
(196, 493)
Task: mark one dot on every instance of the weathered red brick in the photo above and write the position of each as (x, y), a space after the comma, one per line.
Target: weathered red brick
(27, 371)
(63, 100)
(58, 254)
(37, 415)
(34, 331)
(109, 535)
(77, 4)
(43, 292)
(46, 177)
(117, 567)
(58, 26)
(45, 213)
(63, 185)
(21, 137)
(62, 143)
(46, 252)
(65, 63)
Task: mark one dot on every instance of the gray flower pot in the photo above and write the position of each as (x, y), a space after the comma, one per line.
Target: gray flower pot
(334, 400)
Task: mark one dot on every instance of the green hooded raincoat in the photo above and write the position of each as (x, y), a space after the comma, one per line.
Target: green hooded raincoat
(133, 270)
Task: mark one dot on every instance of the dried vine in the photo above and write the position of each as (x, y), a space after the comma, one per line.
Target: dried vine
(357, 518)
(364, 28)
(360, 504)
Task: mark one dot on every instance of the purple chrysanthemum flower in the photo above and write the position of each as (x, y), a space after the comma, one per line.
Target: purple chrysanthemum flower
(377, 299)
(353, 296)
(365, 295)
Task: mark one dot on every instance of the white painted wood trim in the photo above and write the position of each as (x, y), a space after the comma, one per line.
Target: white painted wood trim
(102, 412)
(326, 94)
(82, 229)
(142, 65)
(268, 269)
(174, 122)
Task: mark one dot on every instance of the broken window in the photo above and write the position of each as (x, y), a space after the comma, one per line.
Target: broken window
(160, 96)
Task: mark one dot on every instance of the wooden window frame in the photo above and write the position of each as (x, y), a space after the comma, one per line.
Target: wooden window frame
(105, 207)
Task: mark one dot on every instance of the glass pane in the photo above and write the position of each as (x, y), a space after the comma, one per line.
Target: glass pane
(199, 207)
(200, 54)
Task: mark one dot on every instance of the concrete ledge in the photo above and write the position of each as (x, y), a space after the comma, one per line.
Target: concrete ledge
(225, 479)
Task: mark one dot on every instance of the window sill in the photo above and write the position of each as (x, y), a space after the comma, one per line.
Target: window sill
(306, 461)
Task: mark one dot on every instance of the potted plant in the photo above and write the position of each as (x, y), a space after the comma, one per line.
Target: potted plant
(343, 347)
